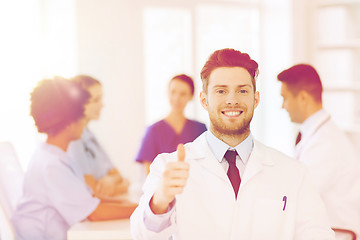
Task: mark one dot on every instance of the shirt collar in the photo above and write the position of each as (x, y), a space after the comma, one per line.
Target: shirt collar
(313, 122)
(219, 148)
(53, 149)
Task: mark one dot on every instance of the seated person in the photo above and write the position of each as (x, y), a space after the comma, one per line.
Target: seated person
(165, 135)
(95, 165)
(55, 196)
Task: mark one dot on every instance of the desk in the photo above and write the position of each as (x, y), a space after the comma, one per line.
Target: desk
(100, 230)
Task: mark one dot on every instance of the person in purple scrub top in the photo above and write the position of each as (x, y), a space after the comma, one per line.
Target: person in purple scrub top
(164, 135)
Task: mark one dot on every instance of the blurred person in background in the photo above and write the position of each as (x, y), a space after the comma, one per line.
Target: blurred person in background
(55, 195)
(323, 147)
(95, 165)
(164, 135)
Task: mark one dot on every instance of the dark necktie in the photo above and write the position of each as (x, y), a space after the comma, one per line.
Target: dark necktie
(233, 171)
(298, 138)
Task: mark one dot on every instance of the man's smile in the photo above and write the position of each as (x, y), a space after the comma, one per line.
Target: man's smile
(232, 113)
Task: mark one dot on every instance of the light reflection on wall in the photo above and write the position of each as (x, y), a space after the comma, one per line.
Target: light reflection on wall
(37, 41)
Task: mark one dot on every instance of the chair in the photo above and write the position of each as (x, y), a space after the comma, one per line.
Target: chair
(345, 232)
(11, 180)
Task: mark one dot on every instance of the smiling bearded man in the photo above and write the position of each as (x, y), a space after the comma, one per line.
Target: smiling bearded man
(232, 101)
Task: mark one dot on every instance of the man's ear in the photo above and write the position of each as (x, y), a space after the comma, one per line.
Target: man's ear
(257, 98)
(203, 100)
(303, 96)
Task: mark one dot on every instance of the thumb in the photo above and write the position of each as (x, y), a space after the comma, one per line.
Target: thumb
(181, 152)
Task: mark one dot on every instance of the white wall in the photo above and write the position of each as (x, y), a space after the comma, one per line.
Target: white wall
(276, 129)
(37, 41)
(104, 38)
(110, 49)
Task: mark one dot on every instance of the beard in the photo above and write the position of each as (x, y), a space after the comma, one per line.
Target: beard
(221, 128)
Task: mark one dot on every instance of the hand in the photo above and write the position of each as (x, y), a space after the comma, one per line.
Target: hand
(122, 186)
(105, 187)
(90, 181)
(173, 182)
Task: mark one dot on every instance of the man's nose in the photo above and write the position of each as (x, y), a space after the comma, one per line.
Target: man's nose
(232, 99)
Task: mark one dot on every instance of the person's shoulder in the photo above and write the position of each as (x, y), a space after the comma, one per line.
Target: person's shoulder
(323, 130)
(47, 156)
(330, 144)
(274, 157)
(330, 136)
(154, 129)
(156, 125)
(196, 124)
(191, 149)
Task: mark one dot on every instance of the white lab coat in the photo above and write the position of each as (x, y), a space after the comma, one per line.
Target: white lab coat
(207, 208)
(334, 165)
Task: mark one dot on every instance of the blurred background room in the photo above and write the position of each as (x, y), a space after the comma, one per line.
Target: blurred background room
(134, 47)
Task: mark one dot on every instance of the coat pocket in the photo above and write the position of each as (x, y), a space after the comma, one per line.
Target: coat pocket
(268, 219)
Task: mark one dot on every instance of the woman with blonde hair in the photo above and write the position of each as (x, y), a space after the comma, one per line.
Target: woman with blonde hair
(98, 170)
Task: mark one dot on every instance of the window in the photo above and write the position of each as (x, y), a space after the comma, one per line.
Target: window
(180, 35)
(336, 44)
(179, 40)
(37, 42)
(168, 52)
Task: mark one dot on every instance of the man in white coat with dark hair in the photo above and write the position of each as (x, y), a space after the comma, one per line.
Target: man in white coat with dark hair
(225, 184)
(324, 148)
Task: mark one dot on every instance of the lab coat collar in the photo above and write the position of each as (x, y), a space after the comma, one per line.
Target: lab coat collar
(257, 162)
(312, 124)
(202, 153)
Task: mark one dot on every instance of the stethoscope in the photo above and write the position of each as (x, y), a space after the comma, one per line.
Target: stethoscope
(88, 150)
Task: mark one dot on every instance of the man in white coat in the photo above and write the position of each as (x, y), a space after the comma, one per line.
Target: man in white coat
(225, 184)
(330, 156)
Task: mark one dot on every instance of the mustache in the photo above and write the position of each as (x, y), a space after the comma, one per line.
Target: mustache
(239, 108)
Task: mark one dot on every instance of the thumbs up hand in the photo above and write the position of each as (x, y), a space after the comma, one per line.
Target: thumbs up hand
(181, 152)
(173, 182)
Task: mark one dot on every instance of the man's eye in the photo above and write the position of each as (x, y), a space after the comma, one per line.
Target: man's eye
(220, 91)
(243, 91)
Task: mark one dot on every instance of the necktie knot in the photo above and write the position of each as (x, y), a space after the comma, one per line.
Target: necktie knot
(230, 156)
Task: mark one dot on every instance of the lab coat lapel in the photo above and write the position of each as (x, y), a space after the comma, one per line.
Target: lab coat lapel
(311, 131)
(256, 163)
(203, 155)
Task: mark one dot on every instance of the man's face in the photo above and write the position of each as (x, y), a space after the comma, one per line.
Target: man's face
(230, 101)
(291, 104)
